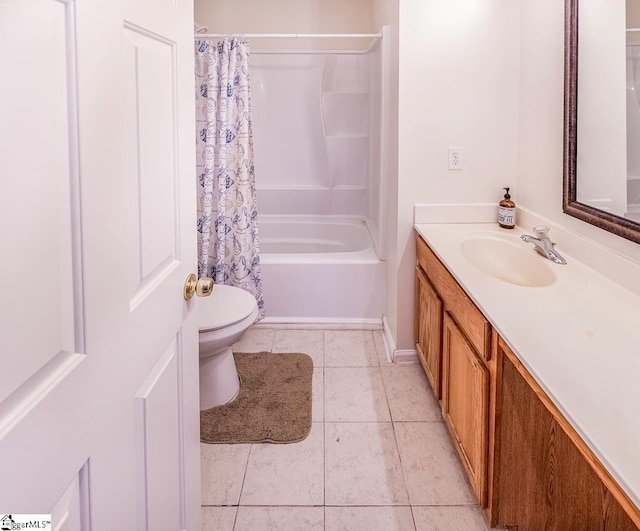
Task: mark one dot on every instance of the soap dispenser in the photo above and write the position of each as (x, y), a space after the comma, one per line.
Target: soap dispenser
(507, 212)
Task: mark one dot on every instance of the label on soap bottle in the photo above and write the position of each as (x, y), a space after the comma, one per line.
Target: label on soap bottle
(507, 216)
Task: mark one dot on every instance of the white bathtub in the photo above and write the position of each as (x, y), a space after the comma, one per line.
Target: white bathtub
(320, 269)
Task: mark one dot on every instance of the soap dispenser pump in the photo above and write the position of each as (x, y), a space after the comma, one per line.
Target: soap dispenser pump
(507, 212)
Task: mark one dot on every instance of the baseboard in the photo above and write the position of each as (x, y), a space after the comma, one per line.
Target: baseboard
(319, 322)
(394, 355)
(406, 356)
(389, 343)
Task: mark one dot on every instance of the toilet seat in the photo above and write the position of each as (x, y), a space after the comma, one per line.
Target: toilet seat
(226, 306)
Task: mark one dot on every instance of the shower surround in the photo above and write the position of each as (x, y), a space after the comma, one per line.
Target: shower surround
(318, 159)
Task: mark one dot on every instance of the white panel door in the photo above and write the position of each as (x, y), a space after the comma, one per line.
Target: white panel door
(99, 417)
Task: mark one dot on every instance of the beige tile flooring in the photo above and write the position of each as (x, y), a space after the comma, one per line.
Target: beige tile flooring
(378, 456)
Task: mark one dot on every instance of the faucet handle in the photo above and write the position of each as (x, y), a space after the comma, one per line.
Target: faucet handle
(542, 231)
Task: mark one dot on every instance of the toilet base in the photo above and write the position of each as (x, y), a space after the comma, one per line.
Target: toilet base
(219, 381)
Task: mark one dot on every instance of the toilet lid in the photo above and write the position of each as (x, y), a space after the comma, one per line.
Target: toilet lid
(225, 306)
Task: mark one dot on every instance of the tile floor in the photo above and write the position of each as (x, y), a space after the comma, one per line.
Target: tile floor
(378, 456)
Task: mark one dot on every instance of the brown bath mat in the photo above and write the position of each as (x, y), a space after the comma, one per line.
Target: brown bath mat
(274, 403)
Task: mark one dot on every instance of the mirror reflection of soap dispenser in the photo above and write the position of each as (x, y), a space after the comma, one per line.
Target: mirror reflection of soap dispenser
(507, 212)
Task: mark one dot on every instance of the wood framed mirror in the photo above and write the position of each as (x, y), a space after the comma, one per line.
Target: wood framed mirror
(595, 209)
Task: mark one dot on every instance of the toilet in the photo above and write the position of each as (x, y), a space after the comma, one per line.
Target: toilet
(223, 318)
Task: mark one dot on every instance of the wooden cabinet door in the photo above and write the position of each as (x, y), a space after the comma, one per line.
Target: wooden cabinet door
(544, 480)
(428, 330)
(465, 404)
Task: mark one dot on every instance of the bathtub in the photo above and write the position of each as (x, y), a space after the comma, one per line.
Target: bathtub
(320, 269)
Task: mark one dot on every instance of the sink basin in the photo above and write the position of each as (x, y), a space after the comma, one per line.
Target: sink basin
(508, 261)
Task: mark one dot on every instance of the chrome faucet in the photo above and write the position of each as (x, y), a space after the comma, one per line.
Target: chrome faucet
(543, 245)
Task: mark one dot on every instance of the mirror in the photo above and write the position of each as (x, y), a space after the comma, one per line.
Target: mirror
(602, 116)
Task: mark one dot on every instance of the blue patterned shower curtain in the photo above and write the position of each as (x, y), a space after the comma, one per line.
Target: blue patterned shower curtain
(228, 241)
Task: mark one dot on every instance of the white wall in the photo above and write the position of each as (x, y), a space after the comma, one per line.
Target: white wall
(632, 18)
(541, 107)
(288, 16)
(541, 122)
(459, 64)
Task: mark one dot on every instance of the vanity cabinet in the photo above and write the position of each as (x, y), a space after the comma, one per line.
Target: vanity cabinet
(453, 340)
(528, 467)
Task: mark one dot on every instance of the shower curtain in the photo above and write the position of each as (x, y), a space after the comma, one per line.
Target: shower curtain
(228, 243)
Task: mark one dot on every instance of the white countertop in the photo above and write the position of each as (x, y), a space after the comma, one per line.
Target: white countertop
(579, 338)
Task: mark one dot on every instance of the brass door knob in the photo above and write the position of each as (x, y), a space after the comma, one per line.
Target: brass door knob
(200, 287)
(204, 287)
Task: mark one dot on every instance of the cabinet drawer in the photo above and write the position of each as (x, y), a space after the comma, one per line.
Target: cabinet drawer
(464, 311)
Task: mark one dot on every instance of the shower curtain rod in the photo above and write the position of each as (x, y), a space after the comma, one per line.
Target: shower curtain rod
(290, 35)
